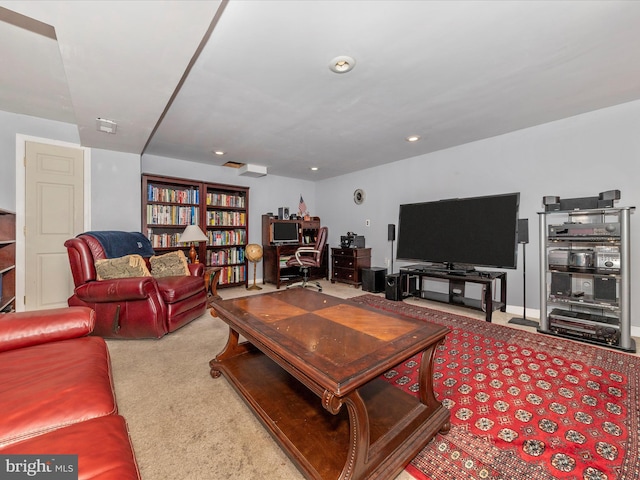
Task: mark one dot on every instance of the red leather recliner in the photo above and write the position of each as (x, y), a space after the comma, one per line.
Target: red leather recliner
(139, 307)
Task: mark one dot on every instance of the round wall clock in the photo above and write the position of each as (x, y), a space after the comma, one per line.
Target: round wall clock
(359, 196)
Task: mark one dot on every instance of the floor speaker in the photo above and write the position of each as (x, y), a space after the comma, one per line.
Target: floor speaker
(393, 287)
(523, 230)
(373, 279)
(391, 232)
(604, 289)
(561, 284)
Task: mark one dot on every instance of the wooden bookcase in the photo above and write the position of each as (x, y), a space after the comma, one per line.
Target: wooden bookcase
(7, 261)
(226, 218)
(169, 204)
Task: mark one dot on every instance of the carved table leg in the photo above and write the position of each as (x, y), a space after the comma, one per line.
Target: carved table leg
(427, 395)
(211, 279)
(228, 351)
(359, 435)
(231, 349)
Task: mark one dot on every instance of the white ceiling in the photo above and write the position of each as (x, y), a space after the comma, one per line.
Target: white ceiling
(251, 78)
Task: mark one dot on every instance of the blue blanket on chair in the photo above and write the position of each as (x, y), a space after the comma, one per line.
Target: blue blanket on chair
(118, 244)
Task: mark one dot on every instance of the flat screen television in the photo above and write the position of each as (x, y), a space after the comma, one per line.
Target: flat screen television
(285, 232)
(461, 232)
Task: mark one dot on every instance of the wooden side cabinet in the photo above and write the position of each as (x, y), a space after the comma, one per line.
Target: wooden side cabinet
(7, 261)
(348, 264)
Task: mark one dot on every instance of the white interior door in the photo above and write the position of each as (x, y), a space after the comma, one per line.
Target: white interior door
(54, 212)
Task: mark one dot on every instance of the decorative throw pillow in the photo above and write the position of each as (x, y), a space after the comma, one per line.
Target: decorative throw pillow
(121, 267)
(169, 264)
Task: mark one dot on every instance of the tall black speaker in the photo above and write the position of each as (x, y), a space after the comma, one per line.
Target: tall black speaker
(391, 232)
(523, 230)
(393, 287)
(523, 239)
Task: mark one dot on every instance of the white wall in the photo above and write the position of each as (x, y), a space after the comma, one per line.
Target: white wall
(576, 157)
(12, 124)
(115, 191)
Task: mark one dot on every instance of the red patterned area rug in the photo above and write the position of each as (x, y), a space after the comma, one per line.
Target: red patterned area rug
(524, 405)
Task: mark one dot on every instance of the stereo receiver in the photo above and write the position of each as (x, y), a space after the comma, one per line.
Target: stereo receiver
(568, 230)
(585, 325)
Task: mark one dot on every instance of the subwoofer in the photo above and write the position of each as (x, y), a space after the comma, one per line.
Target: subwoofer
(373, 279)
(393, 287)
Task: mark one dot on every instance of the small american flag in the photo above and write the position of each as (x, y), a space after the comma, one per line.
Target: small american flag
(302, 207)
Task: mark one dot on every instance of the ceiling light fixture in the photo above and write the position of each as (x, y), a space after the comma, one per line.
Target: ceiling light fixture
(219, 152)
(106, 126)
(314, 169)
(412, 138)
(342, 64)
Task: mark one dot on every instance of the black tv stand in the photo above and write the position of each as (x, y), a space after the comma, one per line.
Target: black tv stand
(450, 268)
(413, 276)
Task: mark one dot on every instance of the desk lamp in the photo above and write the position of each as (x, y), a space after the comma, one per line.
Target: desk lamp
(192, 234)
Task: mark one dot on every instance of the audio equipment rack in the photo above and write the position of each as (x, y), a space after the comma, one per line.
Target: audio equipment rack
(585, 275)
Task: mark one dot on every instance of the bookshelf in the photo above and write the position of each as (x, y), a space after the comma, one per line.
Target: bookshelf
(169, 204)
(7, 261)
(226, 221)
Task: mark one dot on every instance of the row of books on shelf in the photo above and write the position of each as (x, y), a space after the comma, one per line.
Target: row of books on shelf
(172, 195)
(163, 240)
(232, 219)
(233, 274)
(225, 200)
(227, 237)
(226, 256)
(172, 215)
(217, 238)
(284, 259)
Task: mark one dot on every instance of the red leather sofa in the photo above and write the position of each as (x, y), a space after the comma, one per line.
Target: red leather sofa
(139, 307)
(57, 395)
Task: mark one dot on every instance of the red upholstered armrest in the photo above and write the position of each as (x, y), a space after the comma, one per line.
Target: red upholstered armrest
(121, 289)
(196, 269)
(24, 329)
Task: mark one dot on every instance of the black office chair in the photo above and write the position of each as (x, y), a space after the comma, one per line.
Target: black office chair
(307, 257)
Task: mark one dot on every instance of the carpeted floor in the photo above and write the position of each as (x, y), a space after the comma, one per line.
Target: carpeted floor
(184, 424)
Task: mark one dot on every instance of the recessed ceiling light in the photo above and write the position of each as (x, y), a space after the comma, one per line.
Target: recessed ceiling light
(313, 168)
(412, 138)
(219, 152)
(342, 64)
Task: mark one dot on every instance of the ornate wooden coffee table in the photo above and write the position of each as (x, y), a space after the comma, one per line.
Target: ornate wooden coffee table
(307, 355)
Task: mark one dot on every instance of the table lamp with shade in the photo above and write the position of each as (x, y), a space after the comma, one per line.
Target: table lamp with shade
(192, 234)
